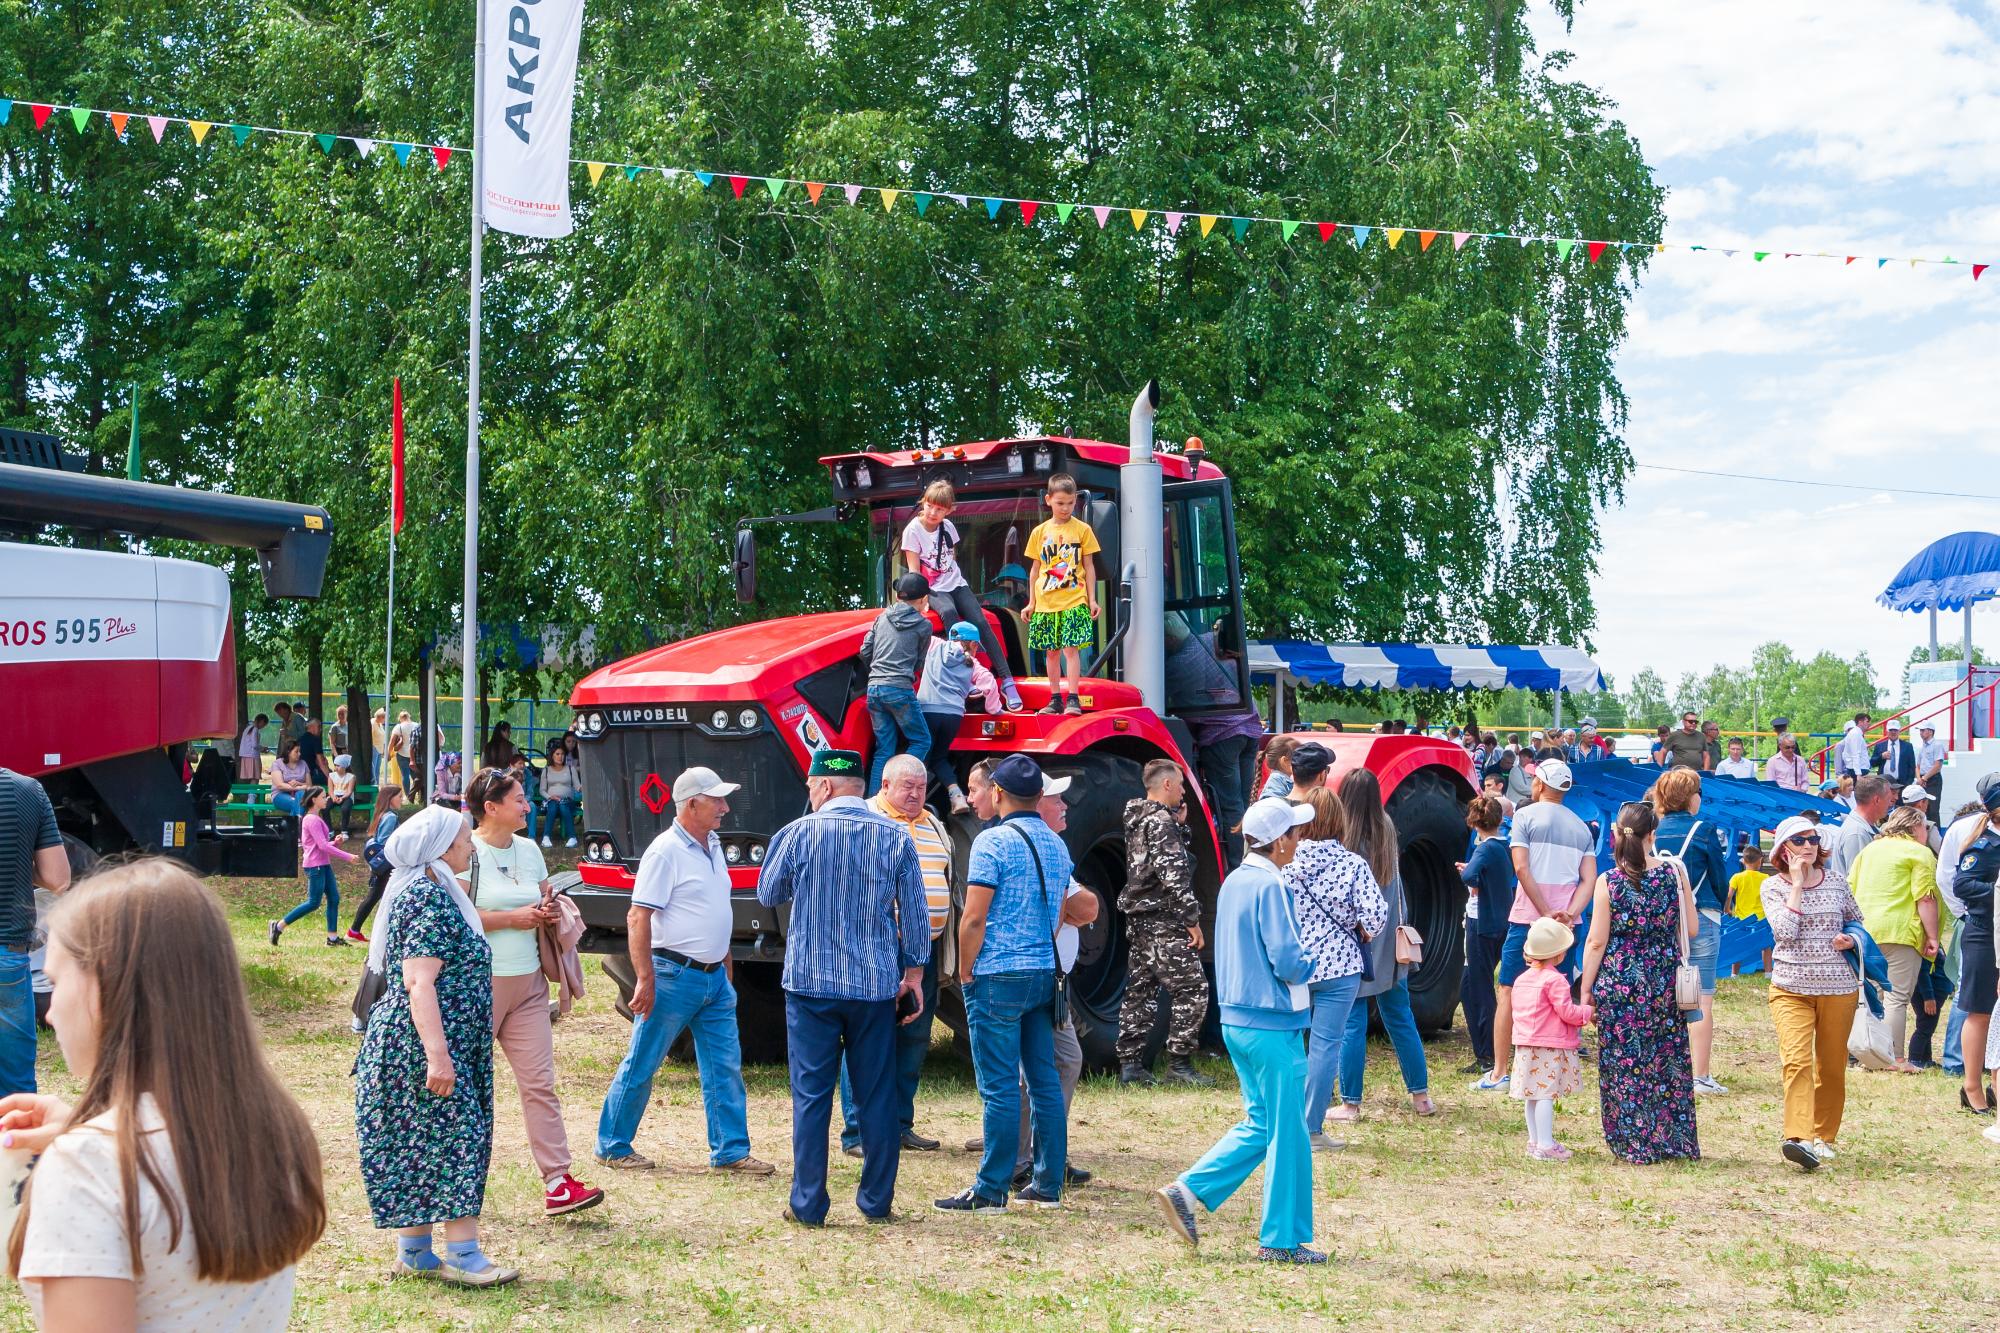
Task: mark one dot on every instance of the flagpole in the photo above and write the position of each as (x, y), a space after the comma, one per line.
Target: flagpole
(468, 709)
(395, 525)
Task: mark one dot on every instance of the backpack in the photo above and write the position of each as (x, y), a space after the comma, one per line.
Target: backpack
(372, 852)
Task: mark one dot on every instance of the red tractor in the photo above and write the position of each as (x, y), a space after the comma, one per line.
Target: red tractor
(753, 701)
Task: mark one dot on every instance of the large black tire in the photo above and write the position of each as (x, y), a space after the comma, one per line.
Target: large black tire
(1428, 810)
(760, 1009)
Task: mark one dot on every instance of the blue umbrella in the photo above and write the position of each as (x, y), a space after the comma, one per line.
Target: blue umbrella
(1950, 574)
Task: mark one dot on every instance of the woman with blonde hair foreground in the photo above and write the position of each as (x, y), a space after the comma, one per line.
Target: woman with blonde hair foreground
(183, 1186)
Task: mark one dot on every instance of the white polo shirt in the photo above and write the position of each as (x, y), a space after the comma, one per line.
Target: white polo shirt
(686, 885)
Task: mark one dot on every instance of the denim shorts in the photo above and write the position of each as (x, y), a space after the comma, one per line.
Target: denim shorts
(1512, 963)
(1704, 948)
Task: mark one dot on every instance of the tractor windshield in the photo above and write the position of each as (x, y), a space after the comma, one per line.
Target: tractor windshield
(992, 544)
(1204, 620)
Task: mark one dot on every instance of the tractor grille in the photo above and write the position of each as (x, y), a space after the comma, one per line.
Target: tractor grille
(629, 772)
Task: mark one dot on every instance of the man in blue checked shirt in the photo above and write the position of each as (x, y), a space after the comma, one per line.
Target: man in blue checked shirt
(854, 952)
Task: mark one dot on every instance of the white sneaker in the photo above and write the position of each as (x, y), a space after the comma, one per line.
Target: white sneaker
(570, 843)
(1823, 1150)
(1991, 1133)
(1706, 1083)
(546, 842)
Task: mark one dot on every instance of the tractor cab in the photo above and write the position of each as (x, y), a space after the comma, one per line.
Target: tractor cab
(1000, 485)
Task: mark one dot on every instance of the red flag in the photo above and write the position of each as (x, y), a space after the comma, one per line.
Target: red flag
(396, 461)
(1028, 207)
(1977, 269)
(1326, 231)
(1595, 249)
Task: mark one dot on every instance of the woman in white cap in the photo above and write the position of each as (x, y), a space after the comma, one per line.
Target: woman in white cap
(1814, 989)
(423, 1082)
(1261, 969)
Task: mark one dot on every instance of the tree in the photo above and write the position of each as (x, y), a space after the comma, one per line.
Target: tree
(1645, 699)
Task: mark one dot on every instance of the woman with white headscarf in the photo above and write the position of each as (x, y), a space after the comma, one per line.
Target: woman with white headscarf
(423, 1083)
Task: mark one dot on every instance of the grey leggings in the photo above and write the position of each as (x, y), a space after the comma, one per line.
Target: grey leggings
(959, 604)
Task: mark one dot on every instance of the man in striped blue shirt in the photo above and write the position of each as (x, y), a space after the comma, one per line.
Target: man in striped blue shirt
(855, 946)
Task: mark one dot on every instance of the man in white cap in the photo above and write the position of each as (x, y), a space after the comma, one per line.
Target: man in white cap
(677, 931)
(1931, 754)
(1555, 866)
(1261, 968)
(1893, 757)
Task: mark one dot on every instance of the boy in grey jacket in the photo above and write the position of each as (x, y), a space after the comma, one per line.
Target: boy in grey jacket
(893, 649)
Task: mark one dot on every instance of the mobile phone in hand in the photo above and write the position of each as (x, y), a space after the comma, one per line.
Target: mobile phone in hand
(906, 1004)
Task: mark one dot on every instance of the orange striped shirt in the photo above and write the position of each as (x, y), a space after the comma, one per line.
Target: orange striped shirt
(933, 855)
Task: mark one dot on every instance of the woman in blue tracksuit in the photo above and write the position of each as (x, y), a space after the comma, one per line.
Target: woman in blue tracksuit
(1260, 974)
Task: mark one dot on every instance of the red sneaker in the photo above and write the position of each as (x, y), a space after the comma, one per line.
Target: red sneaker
(357, 937)
(570, 1195)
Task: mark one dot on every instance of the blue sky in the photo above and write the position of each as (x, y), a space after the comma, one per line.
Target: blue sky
(1785, 125)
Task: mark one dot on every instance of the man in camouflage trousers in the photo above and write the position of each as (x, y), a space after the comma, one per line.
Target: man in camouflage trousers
(1163, 921)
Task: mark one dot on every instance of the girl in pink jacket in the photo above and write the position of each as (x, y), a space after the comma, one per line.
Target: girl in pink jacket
(1546, 1023)
(317, 841)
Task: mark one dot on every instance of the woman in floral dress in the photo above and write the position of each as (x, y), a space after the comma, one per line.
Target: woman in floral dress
(423, 1083)
(1645, 1077)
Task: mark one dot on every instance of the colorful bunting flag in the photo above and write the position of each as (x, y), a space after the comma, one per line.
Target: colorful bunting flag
(441, 154)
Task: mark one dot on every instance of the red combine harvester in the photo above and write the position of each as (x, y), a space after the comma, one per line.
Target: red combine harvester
(112, 663)
(753, 701)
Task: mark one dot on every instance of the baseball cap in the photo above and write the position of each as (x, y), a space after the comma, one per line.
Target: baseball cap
(912, 586)
(1986, 784)
(828, 764)
(1916, 794)
(1271, 819)
(1926, 726)
(1018, 775)
(1892, 725)
(703, 782)
(1011, 571)
(1831, 784)
(965, 630)
(1537, 736)
(1554, 773)
(1310, 760)
(1587, 725)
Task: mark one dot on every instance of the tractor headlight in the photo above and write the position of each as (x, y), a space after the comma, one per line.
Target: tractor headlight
(732, 853)
(747, 719)
(756, 853)
(720, 719)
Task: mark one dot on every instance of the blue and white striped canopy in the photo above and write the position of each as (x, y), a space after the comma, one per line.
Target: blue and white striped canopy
(1421, 666)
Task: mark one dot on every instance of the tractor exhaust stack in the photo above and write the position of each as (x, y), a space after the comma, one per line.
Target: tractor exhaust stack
(1142, 528)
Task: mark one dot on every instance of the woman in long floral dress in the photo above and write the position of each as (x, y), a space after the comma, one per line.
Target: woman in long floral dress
(1645, 1077)
(423, 1082)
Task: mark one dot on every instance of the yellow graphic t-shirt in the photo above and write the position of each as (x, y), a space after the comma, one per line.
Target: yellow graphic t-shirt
(1748, 886)
(1061, 549)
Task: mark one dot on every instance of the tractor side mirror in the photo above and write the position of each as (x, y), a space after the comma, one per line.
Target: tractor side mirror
(746, 565)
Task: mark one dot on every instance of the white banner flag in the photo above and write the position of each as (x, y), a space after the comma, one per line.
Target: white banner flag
(530, 89)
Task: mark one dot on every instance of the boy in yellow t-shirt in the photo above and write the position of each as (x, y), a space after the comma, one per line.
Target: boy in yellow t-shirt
(1062, 593)
(1746, 895)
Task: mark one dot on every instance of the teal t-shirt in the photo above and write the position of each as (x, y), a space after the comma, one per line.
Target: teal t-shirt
(510, 877)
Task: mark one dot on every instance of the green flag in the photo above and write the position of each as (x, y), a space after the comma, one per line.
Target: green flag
(132, 446)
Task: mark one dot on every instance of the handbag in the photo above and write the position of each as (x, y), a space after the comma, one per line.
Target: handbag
(1061, 1003)
(371, 988)
(1687, 977)
(1409, 946)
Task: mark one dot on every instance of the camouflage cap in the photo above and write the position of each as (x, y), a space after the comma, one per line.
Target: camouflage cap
(836, 764)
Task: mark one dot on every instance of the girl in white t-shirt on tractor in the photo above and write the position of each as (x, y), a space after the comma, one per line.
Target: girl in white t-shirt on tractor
(930, 548)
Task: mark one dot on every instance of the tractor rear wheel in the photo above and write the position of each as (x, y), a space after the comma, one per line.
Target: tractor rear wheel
(1429, 814)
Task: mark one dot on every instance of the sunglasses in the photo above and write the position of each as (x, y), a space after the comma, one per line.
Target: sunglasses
(1803, 840)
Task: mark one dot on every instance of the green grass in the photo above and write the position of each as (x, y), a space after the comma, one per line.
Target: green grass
(1437, 1223)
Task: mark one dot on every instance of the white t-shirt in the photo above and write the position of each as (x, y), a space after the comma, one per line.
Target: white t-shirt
(937, 553)
(1068, 940)
(686, 885)
(76, 1228)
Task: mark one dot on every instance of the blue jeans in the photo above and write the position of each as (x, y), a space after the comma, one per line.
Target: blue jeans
(1229, 767)
(1394, 1005)
(913, 1043)
(1332, 1002)
(1952, 1057)
(1012, 1016)
(894, 712)
(1271, 1067)
(819, 1033)
(288, 801)
(17, 1024)
(561, 810)
(683, 997)
(320, 888)
(1475, 992)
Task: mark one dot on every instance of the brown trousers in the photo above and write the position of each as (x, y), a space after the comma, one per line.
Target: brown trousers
(521, 1027)
(1812, 1048)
